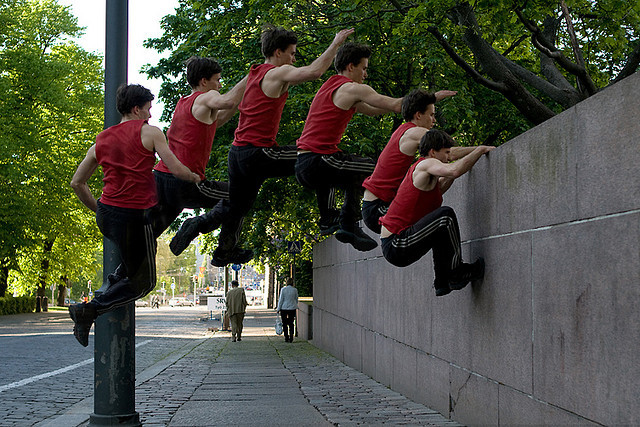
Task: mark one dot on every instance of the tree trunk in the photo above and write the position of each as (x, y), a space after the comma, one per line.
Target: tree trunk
(534, 110)
(4, 277)
(62, 291)
(271, 287)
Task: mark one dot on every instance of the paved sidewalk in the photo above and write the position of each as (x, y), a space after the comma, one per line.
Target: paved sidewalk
(260, 380)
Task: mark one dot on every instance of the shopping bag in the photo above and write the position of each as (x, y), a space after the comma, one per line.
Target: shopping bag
(279, 326)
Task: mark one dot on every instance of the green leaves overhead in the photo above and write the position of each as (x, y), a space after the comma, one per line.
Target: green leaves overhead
(513, 63)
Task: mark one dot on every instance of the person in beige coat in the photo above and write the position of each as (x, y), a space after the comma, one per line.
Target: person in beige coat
(236, 306)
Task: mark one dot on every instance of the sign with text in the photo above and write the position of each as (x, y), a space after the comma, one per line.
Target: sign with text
(216, 303)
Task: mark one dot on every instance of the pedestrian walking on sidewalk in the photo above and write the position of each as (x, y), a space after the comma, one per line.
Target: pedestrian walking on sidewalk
(236, 307)
(287, 305)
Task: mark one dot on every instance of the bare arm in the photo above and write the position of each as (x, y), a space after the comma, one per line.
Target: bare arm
(288, 74)
(459, 152)
(410, 141)
(235, 96)
(365, 99)
(435, 167)
(79, 181)
(369, 110)
(154, 140)
(442, 94)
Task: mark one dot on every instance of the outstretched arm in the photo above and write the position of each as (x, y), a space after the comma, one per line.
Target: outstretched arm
(459, 152)
(366, 100)
(369, 110)
(288, 74)
(79, 181)
(454, 170)
(442, 94)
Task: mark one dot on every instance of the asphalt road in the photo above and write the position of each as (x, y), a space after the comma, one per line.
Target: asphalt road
(43, 369)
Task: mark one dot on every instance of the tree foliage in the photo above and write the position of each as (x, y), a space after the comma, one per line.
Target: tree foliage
(513, 63)
(50, 111)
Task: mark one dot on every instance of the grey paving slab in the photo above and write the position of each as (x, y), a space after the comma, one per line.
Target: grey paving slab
(208, 380)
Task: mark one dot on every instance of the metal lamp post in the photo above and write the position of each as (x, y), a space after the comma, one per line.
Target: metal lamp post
(114, 348)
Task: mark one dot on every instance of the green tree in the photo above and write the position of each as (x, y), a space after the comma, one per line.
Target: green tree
(543, 56)
(50, 111)
(514, 65)
(178, 269)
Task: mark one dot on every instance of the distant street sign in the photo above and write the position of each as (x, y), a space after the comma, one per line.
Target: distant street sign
(295, 247)
(236, 267)
(216, 303)
(173, 285)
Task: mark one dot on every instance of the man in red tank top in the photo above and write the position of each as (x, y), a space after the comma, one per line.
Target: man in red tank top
(255, 155)
(193, 127)
(124, 212)
(321, 165)
(416, 221)
(418, 109)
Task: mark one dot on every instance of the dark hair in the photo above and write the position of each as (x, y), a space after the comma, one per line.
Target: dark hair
(351, 53)
(129, 96)
(416, 101)
(199, 68)
(435, 139)
(290, 281)
(273, 38)
(234, 283)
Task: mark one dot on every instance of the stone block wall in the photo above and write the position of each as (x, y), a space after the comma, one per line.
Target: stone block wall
(551, 335)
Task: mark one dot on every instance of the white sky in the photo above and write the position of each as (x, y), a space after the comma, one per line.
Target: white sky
(144, 23)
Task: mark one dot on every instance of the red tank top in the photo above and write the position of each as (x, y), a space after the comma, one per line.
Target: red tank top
(259, 115)
(126, 165)
(410, 204)
(189, 139)
(391, 167)
(325, 122)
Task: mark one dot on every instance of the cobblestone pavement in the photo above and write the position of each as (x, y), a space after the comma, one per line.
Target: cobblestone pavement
(346, 396)
(44, 371)
(187, 376)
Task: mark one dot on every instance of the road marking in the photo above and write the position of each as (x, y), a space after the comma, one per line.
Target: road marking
(54, 373)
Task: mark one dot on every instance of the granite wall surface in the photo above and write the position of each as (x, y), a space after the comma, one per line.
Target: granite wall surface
(550, 336)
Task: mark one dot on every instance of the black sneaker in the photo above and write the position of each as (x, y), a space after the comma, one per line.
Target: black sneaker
(328, 229)
(184, 236)
(113, 278)
(117, 275)
(465, 273)
(330, 225)
(237, 256)
(83, 316)
(442, 287)
(357, 238)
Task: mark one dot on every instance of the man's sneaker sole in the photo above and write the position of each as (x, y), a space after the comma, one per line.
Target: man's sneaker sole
(241, 258)
(237, 258)
(361, 244)
(83, 318)
(329, 230)
(184, 236)
(457, 284)
(442, 292)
